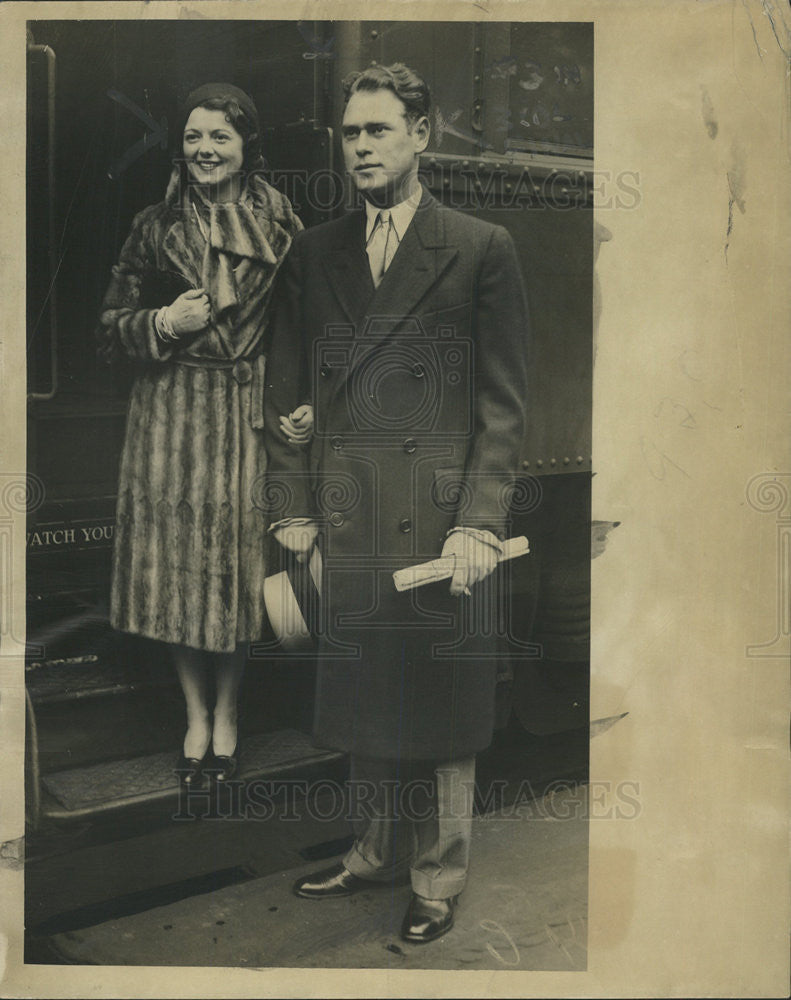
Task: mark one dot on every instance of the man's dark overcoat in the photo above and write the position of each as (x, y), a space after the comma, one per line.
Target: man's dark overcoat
(419, 391)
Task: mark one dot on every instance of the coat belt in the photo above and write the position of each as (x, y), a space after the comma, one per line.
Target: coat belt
(243, 370)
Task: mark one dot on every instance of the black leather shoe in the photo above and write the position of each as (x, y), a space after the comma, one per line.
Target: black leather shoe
(224, 767)
(330, 882)
(427, 919)
(190, 771)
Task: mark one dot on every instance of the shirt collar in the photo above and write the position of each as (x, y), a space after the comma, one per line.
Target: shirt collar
(401, 214)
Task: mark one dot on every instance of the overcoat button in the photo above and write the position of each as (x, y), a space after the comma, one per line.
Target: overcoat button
(324, 370)
(410, 445)
(336, 519)
(405, 526)
(242, 372)
(418, 370)
(336, 443)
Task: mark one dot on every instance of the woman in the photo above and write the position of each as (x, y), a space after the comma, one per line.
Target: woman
(189, 299)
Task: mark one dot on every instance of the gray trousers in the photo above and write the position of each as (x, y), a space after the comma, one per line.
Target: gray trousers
(412, 818)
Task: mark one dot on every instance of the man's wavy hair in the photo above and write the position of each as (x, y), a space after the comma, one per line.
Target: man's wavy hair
(408, 86)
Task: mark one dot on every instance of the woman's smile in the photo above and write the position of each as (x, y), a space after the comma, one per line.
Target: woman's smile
(212, 147)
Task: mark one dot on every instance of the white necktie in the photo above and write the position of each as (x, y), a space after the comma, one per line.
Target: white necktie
(382, 245)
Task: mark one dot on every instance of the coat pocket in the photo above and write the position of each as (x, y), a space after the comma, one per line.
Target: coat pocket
(455, 315)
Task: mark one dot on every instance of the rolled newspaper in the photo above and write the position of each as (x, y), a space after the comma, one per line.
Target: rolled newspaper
(442, 568)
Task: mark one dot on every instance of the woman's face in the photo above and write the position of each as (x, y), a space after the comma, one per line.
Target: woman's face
(213, 149)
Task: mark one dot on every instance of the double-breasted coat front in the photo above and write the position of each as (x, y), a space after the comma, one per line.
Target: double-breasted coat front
(419, 394)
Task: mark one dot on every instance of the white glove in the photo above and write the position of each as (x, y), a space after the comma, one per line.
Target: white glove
(475, 559)
(190, 312)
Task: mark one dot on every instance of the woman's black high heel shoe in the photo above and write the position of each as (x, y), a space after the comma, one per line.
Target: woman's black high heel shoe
(225, 766)
(190, 771)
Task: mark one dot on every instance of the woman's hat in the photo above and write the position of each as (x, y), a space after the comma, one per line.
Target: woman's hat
(221, 91)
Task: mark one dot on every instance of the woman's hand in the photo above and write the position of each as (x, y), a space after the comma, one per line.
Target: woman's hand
(298, 426)
(190, 312)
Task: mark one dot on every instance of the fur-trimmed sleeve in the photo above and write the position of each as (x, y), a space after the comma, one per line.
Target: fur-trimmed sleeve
(124, 327)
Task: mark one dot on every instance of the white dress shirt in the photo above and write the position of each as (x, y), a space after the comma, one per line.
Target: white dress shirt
(381, 245)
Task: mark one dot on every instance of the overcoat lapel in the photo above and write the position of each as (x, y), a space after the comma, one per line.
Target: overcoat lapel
(348, 268)
(421, 259)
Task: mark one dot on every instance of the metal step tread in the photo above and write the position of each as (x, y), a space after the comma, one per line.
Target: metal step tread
(91, 678)
(116, 784)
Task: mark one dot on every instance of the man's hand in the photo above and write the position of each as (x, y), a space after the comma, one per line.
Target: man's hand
(298, 426)
(190, 312)
(474, 561)
(298, 537)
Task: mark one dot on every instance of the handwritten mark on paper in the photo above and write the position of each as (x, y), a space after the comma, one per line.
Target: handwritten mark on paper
(709, 119)
(657, 461)
(737, 185)
(511, 956)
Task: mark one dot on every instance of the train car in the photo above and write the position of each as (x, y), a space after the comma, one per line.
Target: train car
(512, 142)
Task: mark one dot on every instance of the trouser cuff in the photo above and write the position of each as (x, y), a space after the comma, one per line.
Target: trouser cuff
(436, 887)
(360, 866)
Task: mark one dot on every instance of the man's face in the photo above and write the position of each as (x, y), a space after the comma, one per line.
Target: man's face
(380, 151)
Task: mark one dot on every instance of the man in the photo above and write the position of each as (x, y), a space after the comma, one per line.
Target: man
(406, 324)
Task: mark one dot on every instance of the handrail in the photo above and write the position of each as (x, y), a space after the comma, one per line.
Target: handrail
(33, 804)
(49, 53)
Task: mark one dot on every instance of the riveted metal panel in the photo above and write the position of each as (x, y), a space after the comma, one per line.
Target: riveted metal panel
(554, 241)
